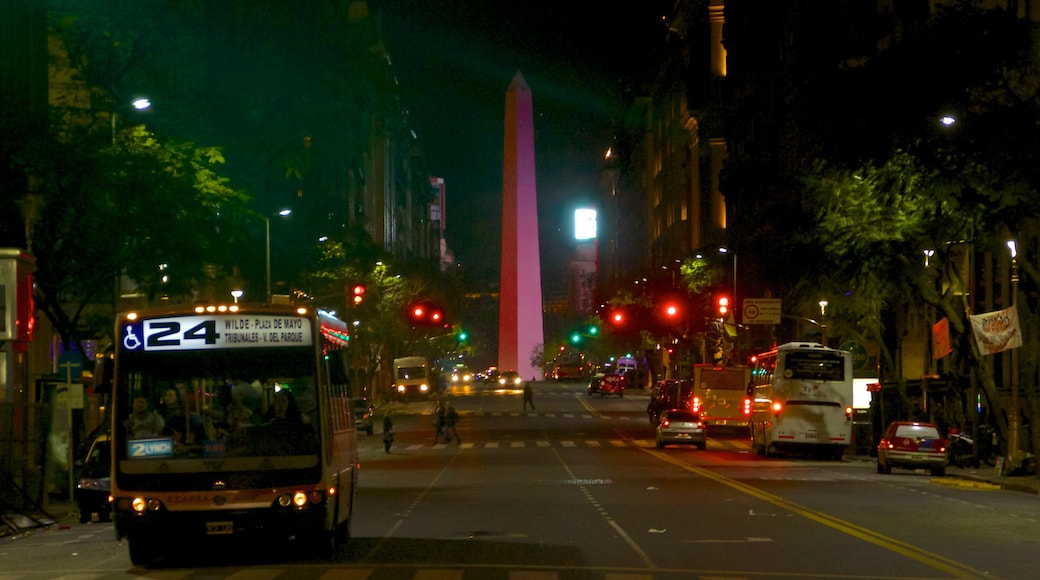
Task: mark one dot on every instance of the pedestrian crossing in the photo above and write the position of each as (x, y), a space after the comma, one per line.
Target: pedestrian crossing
(720, 444)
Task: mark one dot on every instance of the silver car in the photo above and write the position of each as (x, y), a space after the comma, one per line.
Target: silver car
(681, 427)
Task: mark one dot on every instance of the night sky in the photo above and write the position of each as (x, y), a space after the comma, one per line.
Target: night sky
(454, 60)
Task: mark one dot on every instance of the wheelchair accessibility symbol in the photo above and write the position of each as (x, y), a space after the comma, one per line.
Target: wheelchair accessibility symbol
(130, 341)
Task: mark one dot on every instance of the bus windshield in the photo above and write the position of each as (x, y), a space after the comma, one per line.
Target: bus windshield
(243, 403)
(817, 366)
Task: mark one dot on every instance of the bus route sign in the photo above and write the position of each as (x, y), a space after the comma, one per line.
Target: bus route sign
(762, 310)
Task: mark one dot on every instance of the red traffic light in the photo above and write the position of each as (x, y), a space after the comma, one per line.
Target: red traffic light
(617, 318)
(671, 311)
(425, 314)
(359, 293)
(723, 305)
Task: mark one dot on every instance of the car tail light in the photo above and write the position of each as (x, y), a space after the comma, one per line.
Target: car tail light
(665, 422)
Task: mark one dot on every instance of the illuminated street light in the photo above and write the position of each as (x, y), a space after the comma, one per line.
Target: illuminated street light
(267, 245)
(236, 294)
(1013, 414)
(823, 321)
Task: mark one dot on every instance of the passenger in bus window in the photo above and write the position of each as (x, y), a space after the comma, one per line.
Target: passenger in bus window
(143, 423)
(187, 439)
(237, 414)
(284, 409)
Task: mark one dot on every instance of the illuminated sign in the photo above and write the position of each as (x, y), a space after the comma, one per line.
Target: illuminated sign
(584, 224)
(145, 448)
(215, 332)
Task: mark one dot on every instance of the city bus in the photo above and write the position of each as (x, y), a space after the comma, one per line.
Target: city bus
(802, 400)
(721, 396)
(231, 423)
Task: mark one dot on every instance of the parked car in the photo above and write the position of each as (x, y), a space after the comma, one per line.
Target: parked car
(364, 415)
(94, 483)
(681, 427)
(912, 445)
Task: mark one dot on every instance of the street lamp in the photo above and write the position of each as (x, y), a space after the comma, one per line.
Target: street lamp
(1013, 414)
(823, 321)
(236, 294)
(139, 104)
(267, 245)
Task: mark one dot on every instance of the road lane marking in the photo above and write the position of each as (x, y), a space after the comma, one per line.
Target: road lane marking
(930, 559)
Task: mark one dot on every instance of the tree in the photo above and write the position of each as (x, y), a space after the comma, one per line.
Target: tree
(154, 213)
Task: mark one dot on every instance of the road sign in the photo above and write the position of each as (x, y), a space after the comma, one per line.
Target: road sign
(859, 354)
(762, 310)
(70, 365)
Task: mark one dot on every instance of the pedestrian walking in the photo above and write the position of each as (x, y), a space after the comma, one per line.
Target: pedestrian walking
(451, 417)
(388, 431)
(528, 396)
(438, 422)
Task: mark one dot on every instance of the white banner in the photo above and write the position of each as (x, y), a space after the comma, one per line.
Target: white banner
(996, 331)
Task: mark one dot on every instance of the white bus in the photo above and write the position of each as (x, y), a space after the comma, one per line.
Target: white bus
(802, 400)
(721, 395)
(231, 422)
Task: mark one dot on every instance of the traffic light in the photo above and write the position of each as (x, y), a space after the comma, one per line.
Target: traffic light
(425, 314)
(359, 294)
(617, 318)
(575, 338)
(463, 336)
(593, 330)
(722, 306)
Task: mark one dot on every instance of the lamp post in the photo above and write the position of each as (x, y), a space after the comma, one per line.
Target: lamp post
(1013, 414)
(823, 321)
(267, 246)
(734, 304)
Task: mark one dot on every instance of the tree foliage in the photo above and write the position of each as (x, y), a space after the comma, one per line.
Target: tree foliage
(946, 191)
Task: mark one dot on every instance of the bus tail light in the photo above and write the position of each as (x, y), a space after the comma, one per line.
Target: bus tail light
(777, 406)
(746, 409)
(696, 404)
(848, 413)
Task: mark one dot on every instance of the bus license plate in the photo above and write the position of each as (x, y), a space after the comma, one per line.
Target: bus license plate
(219, 528)
(810, 435)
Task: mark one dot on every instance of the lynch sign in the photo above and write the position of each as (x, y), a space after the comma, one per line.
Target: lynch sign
(761, 311)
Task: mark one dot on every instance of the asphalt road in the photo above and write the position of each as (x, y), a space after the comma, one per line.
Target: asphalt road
(577, 489)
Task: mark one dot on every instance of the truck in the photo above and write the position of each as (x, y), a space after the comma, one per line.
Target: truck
(412, 380)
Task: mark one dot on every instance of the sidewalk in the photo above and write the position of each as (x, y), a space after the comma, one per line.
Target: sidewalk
(984, 476)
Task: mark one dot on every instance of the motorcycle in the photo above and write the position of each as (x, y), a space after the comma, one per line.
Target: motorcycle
(960, 451)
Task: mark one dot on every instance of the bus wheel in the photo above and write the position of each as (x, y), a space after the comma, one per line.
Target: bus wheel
(142, 553)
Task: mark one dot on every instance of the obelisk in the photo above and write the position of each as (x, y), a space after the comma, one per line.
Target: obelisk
(520, 293)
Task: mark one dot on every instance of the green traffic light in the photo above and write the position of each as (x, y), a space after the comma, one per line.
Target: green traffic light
(593, 330)
(463, 336)
(575, 338)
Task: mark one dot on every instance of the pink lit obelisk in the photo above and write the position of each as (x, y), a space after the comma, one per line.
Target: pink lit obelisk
(520, 294)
